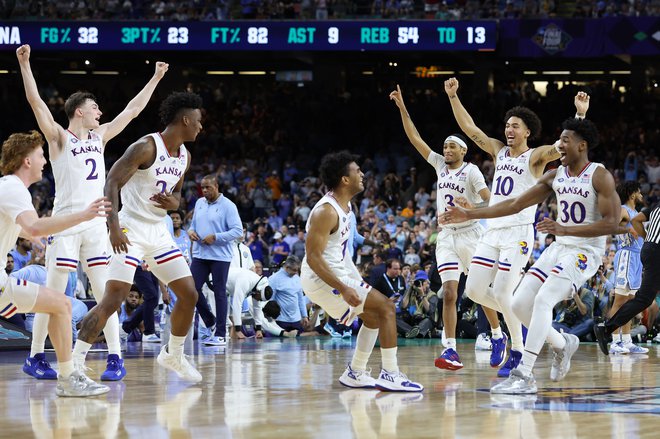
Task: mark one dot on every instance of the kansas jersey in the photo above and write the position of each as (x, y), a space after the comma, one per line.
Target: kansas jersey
(465, 181)
(626, 240)
(79, 173)
(336, 254)
(512, 177)
(161, 176)
(577, 203)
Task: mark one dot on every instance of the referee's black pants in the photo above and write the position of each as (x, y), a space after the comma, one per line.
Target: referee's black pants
(650, 256)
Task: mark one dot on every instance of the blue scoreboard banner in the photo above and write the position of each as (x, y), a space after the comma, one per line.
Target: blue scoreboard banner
(579, 38)
(428, 35)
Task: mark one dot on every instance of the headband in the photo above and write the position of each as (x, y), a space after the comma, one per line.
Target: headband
(458, 140)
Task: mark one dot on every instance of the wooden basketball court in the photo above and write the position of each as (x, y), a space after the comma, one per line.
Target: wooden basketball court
(284, 388)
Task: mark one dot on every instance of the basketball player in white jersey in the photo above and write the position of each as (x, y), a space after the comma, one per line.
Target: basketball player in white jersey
(22, 164)
(505, 247)
(76, 156)
(455, 244)
(150, 176)
(331, 280)
(628, 266)
(588, 209)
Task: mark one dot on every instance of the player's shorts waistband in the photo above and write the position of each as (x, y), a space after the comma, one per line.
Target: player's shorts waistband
(462, 229)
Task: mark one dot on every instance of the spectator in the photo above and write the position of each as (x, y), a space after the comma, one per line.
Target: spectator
(575, 316)
(280, 249)
(291, 237)
(391, 283)
(127, 312)
(378, 267)
(10, 264)
(21, 253)
(298, 248)
(288, 293)
(214, 228)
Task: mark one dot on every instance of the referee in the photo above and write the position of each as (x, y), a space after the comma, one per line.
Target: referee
(650, 255)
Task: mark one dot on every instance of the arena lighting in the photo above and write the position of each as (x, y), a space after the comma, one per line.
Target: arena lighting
(105, 72)
(252, 72)
(530, 72)
(4, 72)
(619, 72)
(367, 72)
(590, 72)
(440, 72)
(219, 72)
(87, 62)
(556, 72)
(466, 72)
(73, 72)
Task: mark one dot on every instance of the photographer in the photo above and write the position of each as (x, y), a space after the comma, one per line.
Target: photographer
(418, 308)
(576, 316)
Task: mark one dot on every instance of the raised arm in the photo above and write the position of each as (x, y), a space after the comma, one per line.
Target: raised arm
(465, 121)
(51, 129)
(408, 125)
(322, 222)
(531, 197)
(109, 130)
(140, 153)
(545, 154)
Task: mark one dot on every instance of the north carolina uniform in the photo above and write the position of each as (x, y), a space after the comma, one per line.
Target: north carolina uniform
(456, 244)
(627, 261)
(337, 257)
(508, 240)
(242, 257)
(571, 257)
(79, 173)
(16, 295)
(142, 221)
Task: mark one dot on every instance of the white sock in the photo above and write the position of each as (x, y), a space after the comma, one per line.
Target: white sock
(626, 338)
(366, 340)
(175, 345)
(111, 332)
(496, 333)
(388, 357)
(80, 350)
(449, 343)
(65, 368)
(616, 337)
(527, 363)
(39, 333)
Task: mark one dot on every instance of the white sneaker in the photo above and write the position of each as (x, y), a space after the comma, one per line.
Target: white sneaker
(151, 338)
(617, 348)
(656, 339)
(483, 343)
(396, 382)
(179, 365)
(561, 362)
(357, 378)
(516, 384)
(215, 341)
(79, 385)
(634, 349)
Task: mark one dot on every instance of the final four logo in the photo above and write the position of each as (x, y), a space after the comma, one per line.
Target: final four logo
(524, 249)
(581, 261)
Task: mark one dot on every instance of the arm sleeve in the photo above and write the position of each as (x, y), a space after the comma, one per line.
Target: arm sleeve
(271, 327)
(234, 225)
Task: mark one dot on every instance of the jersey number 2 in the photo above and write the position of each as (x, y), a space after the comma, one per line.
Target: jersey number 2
(92, 174)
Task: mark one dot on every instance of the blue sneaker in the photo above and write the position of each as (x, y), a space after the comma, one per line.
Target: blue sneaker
(347, 334)
(115, 370)
(449, 360)
(511, 363)
(498, 354)
(39, 368)
(330, 330)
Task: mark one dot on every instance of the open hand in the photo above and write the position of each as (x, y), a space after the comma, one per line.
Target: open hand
(99, 207)
(550, 226)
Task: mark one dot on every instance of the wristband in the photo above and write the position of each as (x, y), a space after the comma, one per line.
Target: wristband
(577, 116)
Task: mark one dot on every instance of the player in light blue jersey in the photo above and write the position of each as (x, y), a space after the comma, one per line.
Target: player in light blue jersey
(628, 266)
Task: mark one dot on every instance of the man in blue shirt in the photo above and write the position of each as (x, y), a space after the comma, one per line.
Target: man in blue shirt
(288, 293)
(215, 226)
(21, 253)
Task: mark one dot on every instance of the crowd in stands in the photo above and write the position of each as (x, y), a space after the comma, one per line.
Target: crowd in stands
(205, 10)
(253, 142)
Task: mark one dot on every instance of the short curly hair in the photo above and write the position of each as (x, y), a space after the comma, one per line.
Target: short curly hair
(334, 166)
(584, 128)
(626, 188)
(529, 117)
(175, 103)
(16, 148)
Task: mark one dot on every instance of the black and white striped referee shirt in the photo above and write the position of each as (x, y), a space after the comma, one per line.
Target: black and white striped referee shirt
(653, 227)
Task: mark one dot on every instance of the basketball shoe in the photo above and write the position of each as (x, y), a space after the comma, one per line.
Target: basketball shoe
(561, 361)
(357, 379)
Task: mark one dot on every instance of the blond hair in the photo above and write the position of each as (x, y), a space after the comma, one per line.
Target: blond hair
(16, 148)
